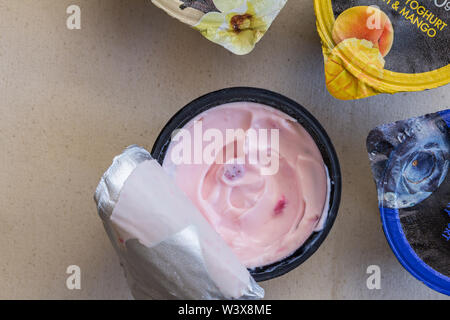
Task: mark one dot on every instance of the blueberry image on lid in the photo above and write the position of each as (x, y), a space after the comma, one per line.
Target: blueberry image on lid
(410, 161)
(420, 167)
(416, 162)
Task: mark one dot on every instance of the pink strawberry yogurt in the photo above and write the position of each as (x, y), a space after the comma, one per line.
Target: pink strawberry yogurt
(263, 217)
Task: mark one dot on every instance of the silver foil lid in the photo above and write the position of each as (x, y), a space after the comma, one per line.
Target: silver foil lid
(108, 190)
(191, 261)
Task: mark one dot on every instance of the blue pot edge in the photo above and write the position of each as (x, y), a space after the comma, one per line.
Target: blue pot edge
(406, 255)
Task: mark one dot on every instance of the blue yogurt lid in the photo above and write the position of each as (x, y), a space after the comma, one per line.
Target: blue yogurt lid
(410, 163)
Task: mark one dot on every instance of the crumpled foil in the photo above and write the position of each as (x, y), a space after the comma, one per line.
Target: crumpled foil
(190, 262)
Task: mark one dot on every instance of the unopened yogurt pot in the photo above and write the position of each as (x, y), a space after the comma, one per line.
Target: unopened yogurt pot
(383, 46)
(272, 216)
(410, 163)
(237, 25)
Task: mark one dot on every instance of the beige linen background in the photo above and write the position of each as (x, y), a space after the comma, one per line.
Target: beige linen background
(73, 99)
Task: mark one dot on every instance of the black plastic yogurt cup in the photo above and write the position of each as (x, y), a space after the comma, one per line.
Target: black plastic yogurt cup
(296, 111)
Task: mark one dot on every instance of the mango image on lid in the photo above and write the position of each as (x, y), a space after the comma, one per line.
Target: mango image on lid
(382, 46)
(367, 23)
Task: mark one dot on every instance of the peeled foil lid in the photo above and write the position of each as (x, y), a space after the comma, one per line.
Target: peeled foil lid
(237, 25)
(167, 252)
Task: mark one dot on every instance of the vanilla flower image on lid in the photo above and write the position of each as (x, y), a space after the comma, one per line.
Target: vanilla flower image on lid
(237, 25)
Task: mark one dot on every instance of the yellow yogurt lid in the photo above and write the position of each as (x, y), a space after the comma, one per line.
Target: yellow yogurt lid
(383, 46)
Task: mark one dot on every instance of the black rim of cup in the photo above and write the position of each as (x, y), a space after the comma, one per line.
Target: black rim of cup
(296, 111)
